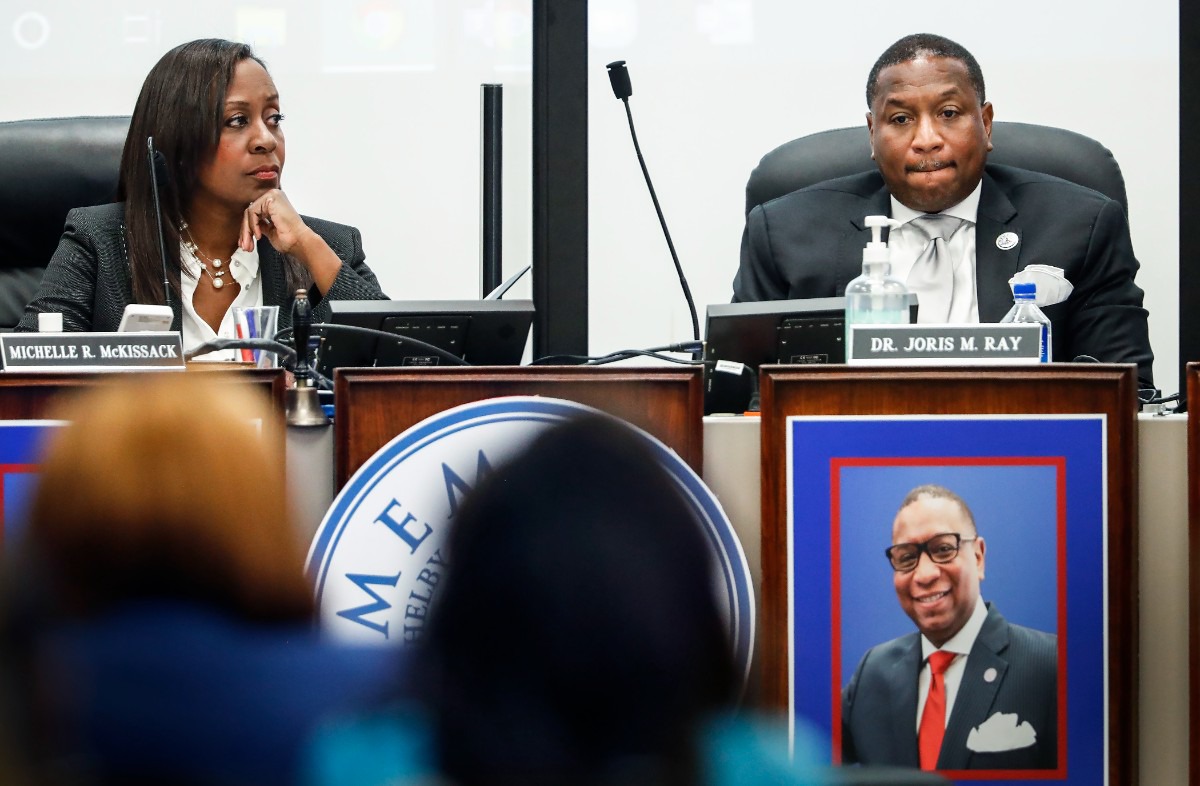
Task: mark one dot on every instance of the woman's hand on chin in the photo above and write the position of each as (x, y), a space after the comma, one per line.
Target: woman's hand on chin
(272, 215)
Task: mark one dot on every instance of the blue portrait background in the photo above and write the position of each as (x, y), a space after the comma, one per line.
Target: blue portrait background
(21, 444)
(1015, 509)
(1005, 468)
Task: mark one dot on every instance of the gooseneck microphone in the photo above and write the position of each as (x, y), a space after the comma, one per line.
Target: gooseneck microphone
(158, 179)
(302, 404)
(618, 77)
(301, 330)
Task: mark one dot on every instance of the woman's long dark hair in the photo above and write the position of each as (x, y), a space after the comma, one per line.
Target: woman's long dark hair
(181, 105)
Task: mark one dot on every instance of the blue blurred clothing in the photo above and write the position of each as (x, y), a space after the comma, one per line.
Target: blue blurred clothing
(385, 749)
(397, 749)
(171, 688)
(739, 752)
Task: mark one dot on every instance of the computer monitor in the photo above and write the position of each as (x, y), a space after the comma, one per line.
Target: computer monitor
(479, 332)
(805, 331)
(776, 331)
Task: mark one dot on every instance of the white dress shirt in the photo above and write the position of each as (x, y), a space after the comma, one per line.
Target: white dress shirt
(961, 643)
(906, 243)
(243, 269)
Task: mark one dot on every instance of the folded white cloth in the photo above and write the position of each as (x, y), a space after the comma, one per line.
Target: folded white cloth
(1052, 284)
(1001, 732)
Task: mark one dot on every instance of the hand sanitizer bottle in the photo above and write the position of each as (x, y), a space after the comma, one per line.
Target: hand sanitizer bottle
(1025, 310)
(876, 297)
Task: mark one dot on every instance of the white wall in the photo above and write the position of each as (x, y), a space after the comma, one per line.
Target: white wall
(718, 83)
(382, 100)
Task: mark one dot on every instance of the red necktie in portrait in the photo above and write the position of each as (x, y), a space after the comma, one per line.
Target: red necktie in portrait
(933, 718)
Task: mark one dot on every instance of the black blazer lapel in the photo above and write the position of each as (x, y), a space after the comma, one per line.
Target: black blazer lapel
(270, 270)
(976, 692)
(903, 710)
(177, 304)
(111, 310)
(995, 266)
(876, 204)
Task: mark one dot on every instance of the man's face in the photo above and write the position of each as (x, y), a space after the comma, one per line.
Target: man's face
(929, 135)
(938, 598)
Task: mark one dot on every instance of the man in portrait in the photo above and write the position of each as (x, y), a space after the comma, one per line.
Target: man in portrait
(967, 689)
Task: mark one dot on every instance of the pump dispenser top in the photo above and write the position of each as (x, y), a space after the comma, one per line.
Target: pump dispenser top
(876, 250)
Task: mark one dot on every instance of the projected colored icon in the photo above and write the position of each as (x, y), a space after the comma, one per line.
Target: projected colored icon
(378, 35)
(380, 24)
(139, 29)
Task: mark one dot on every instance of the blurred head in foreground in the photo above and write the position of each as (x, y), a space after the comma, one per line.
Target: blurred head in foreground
(161, 627)
(168, 486)
(577, 638)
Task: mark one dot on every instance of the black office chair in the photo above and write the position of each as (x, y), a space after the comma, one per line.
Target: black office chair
(47, 167)
(847, 151)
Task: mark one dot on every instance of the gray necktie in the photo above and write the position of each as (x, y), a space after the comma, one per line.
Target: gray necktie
(932, 275)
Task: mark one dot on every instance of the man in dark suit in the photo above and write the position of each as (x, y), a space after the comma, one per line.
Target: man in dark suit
(930, 131)
(969, 690)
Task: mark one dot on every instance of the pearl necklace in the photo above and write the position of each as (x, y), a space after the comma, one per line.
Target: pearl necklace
(218, 272)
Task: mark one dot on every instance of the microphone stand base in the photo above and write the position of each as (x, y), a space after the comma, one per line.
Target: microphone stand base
(303, 407)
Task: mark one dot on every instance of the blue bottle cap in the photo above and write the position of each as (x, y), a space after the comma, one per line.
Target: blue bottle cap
(1027, 289)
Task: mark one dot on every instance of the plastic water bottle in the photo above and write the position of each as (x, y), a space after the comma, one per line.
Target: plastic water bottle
(1025, 310)
(876, 297)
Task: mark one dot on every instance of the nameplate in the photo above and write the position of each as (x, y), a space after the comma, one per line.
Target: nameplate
(91, 351)
(984, 344)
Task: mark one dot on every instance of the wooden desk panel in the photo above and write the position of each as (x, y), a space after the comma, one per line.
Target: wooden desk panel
(374, 405)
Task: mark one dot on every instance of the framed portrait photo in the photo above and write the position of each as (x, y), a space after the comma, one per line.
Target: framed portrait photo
(951, 590)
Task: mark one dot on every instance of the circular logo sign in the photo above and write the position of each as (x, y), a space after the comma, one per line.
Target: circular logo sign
(379, 554)
(1007, 240)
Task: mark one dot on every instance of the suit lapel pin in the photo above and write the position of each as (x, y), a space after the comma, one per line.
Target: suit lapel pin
(990, 674)
(1007, 240)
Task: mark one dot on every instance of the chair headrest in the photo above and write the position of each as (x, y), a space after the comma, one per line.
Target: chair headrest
(845, 151)
(47, 167)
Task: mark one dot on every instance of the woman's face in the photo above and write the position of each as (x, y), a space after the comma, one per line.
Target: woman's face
(249, 157)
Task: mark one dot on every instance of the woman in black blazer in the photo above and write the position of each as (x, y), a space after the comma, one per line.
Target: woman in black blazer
(232, 236)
